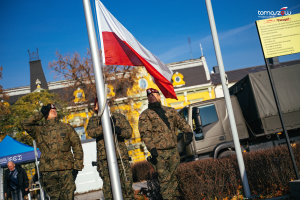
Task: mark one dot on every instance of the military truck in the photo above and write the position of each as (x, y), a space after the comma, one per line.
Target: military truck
(255, 113)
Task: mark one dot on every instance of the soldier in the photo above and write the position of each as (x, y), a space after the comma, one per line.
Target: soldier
(122, 130)
(157, 126)
(57, 163)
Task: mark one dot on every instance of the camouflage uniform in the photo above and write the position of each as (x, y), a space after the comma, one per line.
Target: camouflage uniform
(157, 126)
(94, 130)
(55, 139)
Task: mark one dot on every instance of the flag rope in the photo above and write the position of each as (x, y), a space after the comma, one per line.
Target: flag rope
(96, 22)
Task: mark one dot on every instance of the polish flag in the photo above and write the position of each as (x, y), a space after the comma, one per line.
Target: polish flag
(283, 8)
(119, 47)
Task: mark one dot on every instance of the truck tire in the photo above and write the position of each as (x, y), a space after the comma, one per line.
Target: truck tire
(226, 153)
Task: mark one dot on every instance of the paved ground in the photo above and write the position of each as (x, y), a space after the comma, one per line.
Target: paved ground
(90, 196)
(99, 194)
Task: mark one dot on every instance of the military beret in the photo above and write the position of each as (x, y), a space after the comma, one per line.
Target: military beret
(95, 101)
(151, 91)
(52, 106)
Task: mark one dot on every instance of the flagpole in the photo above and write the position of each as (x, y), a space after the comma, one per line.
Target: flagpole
(105, 119)
(236, 141)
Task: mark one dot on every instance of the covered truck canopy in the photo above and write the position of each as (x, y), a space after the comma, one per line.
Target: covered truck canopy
(257, 102)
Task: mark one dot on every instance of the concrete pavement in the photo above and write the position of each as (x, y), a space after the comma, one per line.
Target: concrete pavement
(99, 194)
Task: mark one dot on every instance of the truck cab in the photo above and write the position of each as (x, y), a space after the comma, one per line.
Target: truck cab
(210, 123)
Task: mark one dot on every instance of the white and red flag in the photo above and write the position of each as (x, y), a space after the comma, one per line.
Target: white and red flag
(119, 47)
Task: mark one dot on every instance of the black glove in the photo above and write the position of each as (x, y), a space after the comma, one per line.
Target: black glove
(113, 122)
(118, 130)
(74, 173)
(189, 138)
(154, 155)
(45, 109)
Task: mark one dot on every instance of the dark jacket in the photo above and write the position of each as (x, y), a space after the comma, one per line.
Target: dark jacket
(22, 178)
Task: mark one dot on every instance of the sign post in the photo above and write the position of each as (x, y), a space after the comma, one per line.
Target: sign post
(280, 36)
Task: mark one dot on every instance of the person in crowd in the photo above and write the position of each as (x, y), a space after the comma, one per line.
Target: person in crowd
(15, 182)
(58, 164)
(122, 131)
(158, 129)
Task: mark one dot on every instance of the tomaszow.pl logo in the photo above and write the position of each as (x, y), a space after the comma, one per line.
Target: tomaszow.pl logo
(269, 14)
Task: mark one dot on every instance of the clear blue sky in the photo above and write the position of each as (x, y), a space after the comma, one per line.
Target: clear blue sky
(162, 26)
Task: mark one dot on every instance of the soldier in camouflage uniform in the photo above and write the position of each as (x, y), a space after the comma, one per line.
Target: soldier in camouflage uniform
(157, 126)
(123, 131)
(57, 163)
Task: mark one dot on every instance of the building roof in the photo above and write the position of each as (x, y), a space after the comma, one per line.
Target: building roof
(195, 71)
(193, 76)
(238, 74)
(37, 72)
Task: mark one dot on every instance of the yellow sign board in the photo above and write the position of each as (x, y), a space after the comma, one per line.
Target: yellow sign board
(279, 36)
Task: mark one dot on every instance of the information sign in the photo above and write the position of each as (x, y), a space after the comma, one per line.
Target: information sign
(279, 36)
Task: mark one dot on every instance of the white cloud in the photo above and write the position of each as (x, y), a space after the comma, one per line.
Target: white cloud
(184, 48)
(297, 6)
(235, 31)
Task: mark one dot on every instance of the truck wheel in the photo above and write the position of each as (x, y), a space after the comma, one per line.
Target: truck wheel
(226, 154)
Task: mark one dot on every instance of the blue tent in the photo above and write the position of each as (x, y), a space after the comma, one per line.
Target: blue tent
(18, 152)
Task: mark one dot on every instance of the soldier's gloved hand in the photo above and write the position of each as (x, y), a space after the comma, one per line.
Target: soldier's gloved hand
(74, 173)
(154, 155)
(45, 109)
(189, 138)
(118, 130)
(114, 126)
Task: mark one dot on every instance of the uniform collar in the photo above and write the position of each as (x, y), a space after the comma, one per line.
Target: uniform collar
(154, 105)
(52, 121)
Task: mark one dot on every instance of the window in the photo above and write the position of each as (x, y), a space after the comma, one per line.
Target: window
(184, 114)
(143, 83)
(197, 129)
(79, 95)
(177, 79)
(108, 90)
(81, 132)
(208, 114)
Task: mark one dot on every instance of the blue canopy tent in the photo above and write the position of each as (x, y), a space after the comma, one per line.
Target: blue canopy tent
(12, 150)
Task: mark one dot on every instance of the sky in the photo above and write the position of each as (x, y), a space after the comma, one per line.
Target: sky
(161, 26)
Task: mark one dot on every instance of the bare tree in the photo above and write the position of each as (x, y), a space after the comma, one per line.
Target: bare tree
(77, 72)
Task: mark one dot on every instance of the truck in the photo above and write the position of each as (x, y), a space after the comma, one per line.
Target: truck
(255, 112)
